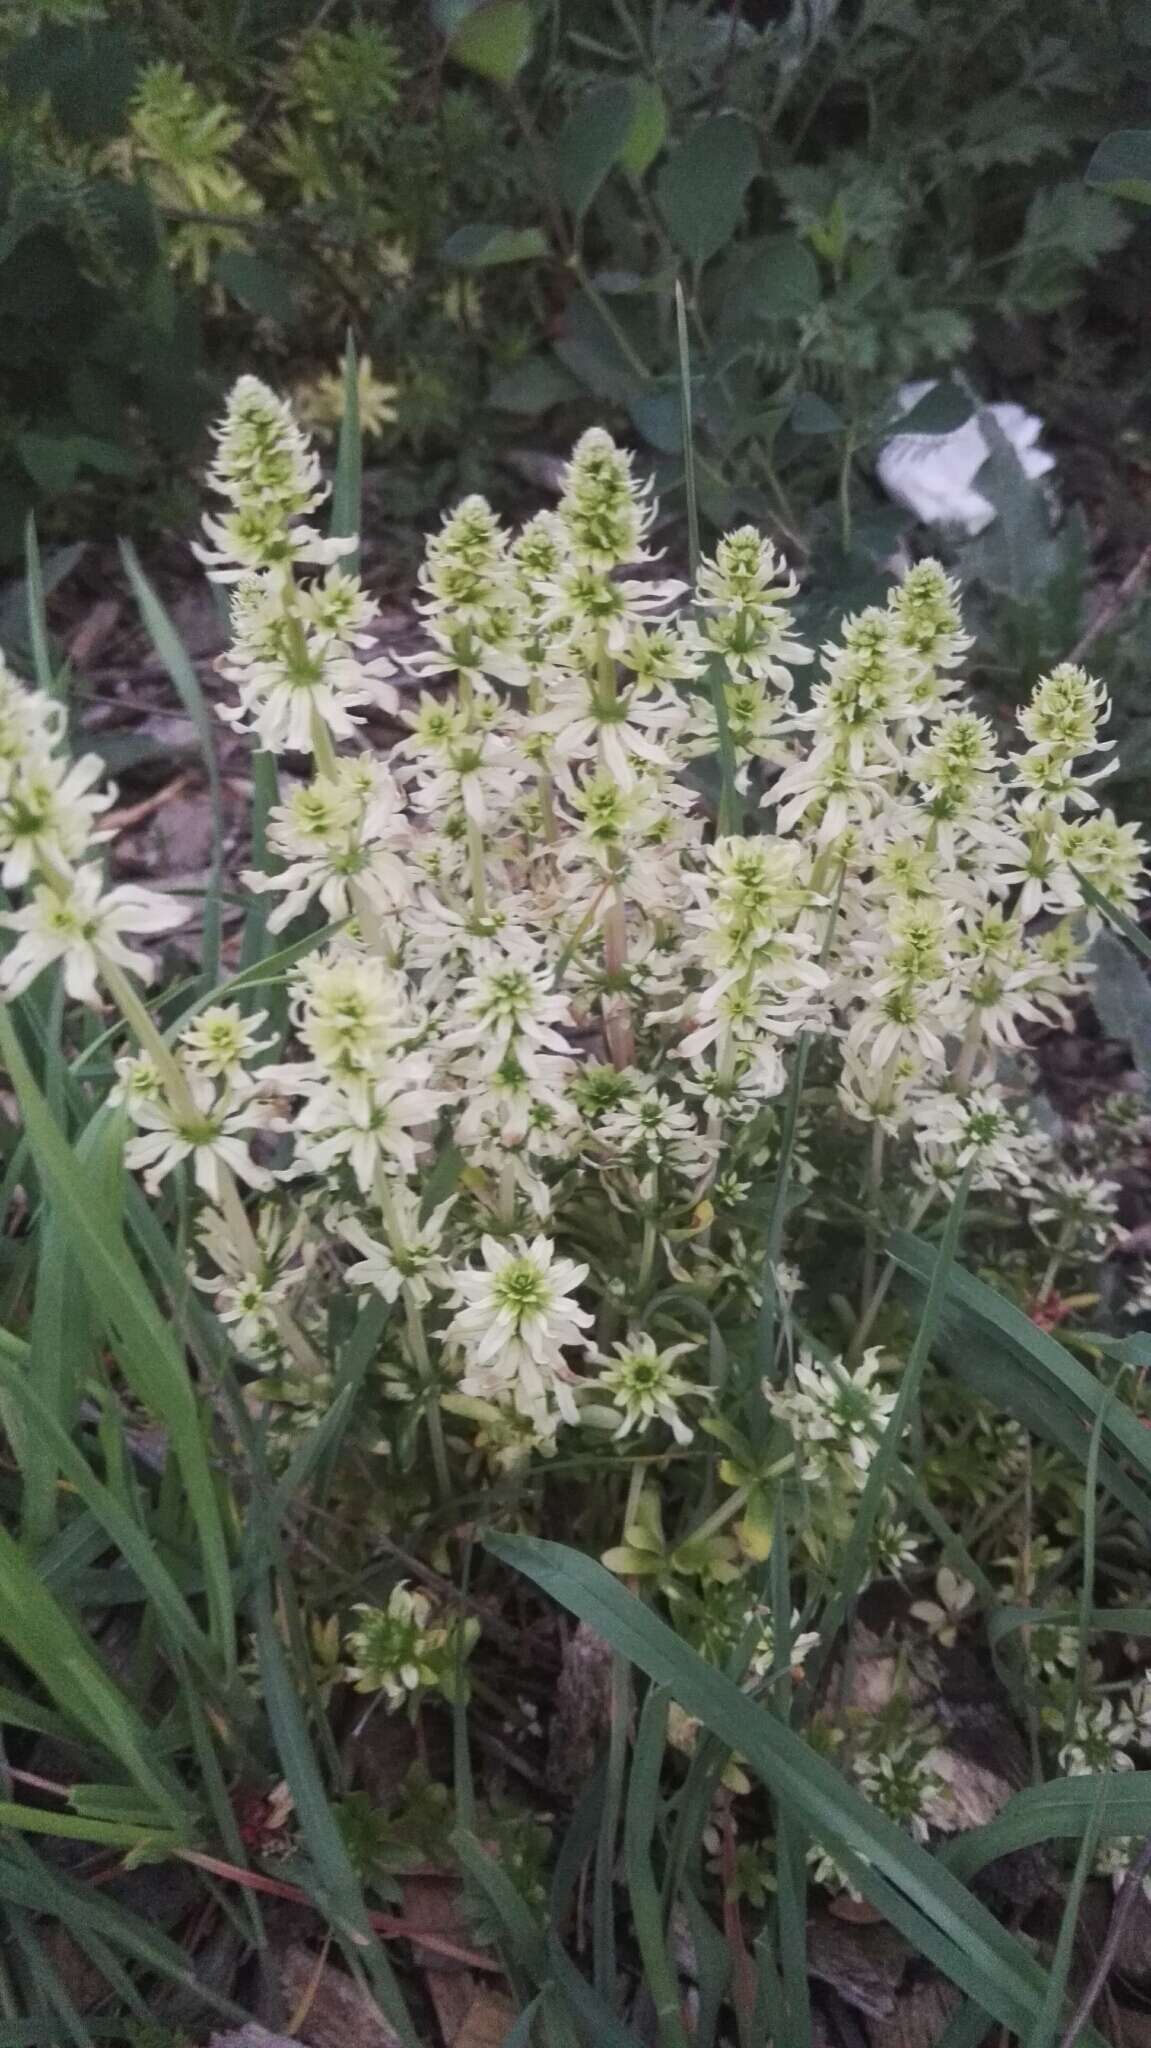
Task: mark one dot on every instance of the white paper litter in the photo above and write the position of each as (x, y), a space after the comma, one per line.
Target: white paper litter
(934, 474)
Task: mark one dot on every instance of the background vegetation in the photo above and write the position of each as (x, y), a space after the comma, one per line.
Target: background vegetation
(497, 199)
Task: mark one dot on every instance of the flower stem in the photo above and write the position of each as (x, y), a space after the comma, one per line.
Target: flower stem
(417, 1338)
(871, 1202)
(871, 1309)
(476, 868)
(148, 1036)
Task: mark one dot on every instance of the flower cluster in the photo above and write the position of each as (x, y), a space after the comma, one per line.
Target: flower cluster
(531, 1094)
(406, 1649)
(50, 842)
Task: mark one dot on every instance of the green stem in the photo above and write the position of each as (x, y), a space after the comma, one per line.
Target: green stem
(476, 868)
(871, 1309)
(148, 1036)
(417, 1338)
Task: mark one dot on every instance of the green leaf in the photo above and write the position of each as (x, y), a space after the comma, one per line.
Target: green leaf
(648, 131)
(146, 1344)
(593, 352)
(261, 287)
(63, 1330)
(701, 187)
(483, 244)
(940, 411)
(532, 387)
(1122, 165)
(137, 1547)
(1116, 915)
(812, 414)
(347, 485)
(998, 1351)
(1059, 1811)
(659, 417)
(1015, 553)
(775, 277)
(88, 69)
(182, 673)
(1121, 994)
(43, 1635)
(913, 1891)
(53, 460)
(591, 140)
(34, 593)
(494, 39)
(337, 1887)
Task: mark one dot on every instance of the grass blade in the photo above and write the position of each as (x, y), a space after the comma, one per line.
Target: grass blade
(147, 1350)
(347, 485)
(337, 1886)
(42, 665)
(643, 1891)
(186, 683)
(62, 1330)
(915, 1891)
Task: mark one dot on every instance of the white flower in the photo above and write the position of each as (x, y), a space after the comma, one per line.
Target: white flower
(642, 1383)
(1099, 1740)
(79, 921)
(411, 1255)
(518, 1313)
(978, 1131)
(801, 1643)
(221, 1040)
(211, 1132)
(48, 815)
(835, 1415)
(372, 1123)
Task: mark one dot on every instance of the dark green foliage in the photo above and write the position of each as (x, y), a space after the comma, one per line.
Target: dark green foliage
(849, 193)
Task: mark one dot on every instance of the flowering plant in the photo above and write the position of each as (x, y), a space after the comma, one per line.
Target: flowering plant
(607, 1104)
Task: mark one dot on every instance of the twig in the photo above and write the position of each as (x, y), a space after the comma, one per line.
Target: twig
(1118, 601)
(1121, 1912)
(383, 1923)
(135, 814)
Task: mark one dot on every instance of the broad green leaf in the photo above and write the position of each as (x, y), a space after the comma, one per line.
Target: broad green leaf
(532, 387)
(494, 39)
(811, 414)
(591, 140)
(1121, 994)
(911, 1888)
(260, 286)
(53, 461)
(648, 131)
(594, 352)
(482, 244)
(702, 185)
(1122, 165)
(941, 409)
(773, 278)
